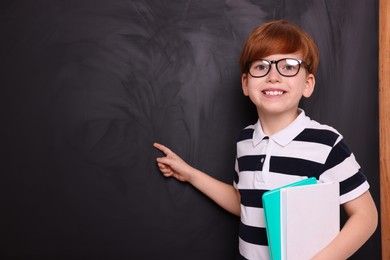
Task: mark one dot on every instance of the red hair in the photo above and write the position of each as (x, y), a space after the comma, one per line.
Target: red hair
(279, 37)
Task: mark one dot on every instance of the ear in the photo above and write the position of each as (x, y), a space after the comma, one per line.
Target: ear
(244, 84)
(309, 85)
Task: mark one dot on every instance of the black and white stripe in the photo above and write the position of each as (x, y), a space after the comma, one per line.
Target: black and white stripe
(304, 149)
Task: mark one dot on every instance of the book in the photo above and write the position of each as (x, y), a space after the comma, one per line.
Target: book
(271, 206)
(301, 218)
(310, 219)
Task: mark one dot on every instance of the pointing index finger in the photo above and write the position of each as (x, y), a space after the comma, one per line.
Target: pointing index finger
(162, 148)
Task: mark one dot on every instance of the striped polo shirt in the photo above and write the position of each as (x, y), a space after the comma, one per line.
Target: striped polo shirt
(304, 149)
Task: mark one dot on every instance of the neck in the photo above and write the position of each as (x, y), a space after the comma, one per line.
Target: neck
(273, 123)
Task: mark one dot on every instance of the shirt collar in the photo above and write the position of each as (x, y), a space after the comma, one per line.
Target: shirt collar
(286, 135)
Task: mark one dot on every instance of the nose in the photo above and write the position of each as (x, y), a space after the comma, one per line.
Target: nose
(273, 74)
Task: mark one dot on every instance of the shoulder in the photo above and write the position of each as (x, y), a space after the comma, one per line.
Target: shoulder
(320, 133)
(246, 133)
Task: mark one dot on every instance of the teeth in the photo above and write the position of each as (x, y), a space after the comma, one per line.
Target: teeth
(273, 93)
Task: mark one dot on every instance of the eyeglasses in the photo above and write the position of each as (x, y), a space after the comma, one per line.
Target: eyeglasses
(287, 67)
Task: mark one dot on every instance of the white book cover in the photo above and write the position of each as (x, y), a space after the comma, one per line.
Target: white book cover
(310, 219)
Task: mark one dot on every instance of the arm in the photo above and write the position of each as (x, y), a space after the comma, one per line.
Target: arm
(223, 194)
(361, 224)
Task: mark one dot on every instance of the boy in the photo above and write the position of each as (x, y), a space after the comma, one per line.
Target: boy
(278, 64)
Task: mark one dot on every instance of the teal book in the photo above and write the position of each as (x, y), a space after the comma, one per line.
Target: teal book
(271, 206)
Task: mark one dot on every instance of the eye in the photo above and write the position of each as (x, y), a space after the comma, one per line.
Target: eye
(289, 67)
(260, 65)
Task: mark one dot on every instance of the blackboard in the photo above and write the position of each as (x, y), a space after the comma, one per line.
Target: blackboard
(88, 86)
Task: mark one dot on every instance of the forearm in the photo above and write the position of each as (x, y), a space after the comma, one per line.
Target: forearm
(349, 240)
(223, 194)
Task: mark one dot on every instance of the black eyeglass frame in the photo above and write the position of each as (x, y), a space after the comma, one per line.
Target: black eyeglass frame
(300, 62)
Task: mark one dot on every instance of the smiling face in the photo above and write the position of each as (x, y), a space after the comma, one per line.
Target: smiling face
(275, 94)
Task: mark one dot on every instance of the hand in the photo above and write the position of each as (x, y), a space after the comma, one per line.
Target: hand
(172, 165)
(221, 193)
